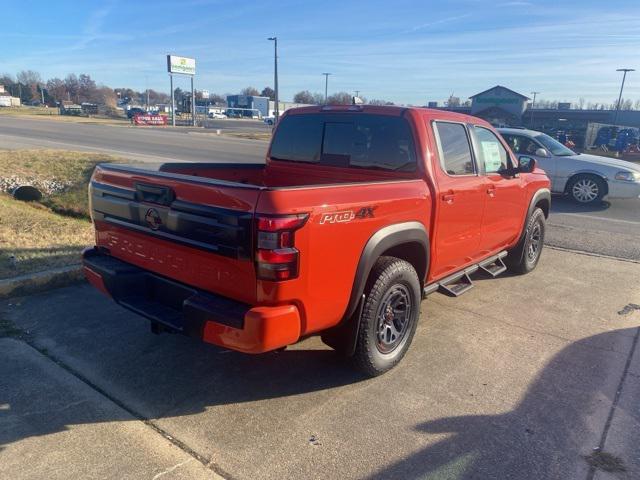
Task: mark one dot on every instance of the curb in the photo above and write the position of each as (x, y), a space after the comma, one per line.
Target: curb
(40, 281)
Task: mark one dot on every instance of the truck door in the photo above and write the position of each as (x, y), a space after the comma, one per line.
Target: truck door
(504, 192)
(460, 201)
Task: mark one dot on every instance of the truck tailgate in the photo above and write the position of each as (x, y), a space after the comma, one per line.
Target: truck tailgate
(193, 230)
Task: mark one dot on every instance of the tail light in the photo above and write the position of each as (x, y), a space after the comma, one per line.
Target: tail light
(276, 257)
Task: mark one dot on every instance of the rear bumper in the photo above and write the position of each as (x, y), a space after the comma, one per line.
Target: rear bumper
(176, 307)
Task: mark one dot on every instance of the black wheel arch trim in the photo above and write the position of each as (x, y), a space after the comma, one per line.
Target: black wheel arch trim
(541, 194)
(381, 241)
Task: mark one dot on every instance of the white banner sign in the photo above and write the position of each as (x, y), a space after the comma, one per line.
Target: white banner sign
(184, 65)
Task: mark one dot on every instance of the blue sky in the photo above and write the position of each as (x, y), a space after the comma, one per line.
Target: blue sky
(405, 51)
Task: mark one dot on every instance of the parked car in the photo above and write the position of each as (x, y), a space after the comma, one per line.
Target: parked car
(132, 112)
(269, 120)
(358, 213)
(585, 178)
(217, 115)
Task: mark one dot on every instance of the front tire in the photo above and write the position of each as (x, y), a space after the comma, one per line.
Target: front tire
(389, 317)
(524, 258)
(586, 189)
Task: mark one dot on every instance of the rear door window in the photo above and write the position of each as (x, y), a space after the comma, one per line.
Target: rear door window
(454, 148)
(346, 140)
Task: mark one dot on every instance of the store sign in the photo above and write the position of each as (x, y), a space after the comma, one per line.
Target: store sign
(205, 93)
(147, 119)
(498, 100)
(182, 65)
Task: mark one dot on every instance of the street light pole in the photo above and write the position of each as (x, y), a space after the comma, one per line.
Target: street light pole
(326, 86)
(276, 111)
(624, 76)
(533, 104)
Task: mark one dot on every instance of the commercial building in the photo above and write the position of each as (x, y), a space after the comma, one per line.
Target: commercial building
(6, 100)
(502, 106)
(254, 106)
(247, 106)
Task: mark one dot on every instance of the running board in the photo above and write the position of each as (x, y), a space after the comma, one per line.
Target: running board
(458, 286)
(493, 267)
(460, 282)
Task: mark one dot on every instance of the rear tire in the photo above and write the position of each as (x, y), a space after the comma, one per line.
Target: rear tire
(525, 256)
(389, 316)
(586, 189)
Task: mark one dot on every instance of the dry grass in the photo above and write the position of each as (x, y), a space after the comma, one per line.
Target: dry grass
(249, 135)
(33, 238)
(62, 176)
(54, 115)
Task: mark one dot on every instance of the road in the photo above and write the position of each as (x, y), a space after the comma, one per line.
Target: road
(141, 144)
(611, 228)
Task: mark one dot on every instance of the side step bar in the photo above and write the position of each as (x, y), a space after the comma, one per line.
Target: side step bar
(460, 282)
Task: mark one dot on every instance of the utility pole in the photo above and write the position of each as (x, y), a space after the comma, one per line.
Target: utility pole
(173, 102)
(276, 110)
(533, 104)
(624, 76)
(326, 86)
(42, 93)
(357, 93)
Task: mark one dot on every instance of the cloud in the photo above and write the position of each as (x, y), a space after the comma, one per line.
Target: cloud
(437, 22)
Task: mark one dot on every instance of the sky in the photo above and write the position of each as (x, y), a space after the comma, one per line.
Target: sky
(408, 52)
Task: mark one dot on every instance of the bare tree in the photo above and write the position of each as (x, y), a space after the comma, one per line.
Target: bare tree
(250, 91)
(57, 89)
(375, 101)
(580, 103)
(305, 96)
(636, 106)
(339, 98)
(87, 90)
(268, 92)
(453, 101)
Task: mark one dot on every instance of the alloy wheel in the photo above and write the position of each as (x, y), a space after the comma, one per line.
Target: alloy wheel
(585, 190)
(393, 319)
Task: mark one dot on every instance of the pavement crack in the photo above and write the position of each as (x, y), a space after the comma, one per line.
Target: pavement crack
(171, 469)
(616, 400)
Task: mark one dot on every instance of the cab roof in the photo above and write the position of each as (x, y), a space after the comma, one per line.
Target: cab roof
(394, 110)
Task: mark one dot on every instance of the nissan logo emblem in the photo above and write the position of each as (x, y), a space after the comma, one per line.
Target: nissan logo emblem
(153, 219)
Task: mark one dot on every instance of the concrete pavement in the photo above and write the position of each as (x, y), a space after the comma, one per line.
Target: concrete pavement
(516, 379)
(55, 426)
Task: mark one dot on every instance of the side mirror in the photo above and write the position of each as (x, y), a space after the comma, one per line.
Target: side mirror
(542, 152)
(526, 164)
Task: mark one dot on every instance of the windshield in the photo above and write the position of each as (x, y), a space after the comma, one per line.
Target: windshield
(554, 146)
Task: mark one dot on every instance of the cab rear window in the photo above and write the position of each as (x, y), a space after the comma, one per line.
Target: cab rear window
(346, 140)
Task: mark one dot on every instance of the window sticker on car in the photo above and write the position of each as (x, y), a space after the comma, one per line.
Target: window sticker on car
(492, 159)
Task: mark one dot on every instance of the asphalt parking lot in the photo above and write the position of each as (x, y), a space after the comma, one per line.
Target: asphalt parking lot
(522, 377)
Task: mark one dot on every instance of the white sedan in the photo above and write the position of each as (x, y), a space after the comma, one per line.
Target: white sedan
(586, 178)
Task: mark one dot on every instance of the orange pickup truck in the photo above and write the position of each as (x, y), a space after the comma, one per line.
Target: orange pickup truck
(358, 212)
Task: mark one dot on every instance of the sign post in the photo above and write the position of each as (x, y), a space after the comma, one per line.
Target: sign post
(182, 66)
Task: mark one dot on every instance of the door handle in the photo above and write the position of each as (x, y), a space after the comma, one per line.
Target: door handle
(491, 191)
(448, 197)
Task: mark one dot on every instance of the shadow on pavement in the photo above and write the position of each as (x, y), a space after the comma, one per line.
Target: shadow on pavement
(563, 204)
(536, 440)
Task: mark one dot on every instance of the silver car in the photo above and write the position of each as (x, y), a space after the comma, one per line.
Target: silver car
(586, 178)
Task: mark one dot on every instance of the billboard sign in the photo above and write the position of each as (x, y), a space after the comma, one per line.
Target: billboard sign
(183, 65)
(149, 119)
(205, 93)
